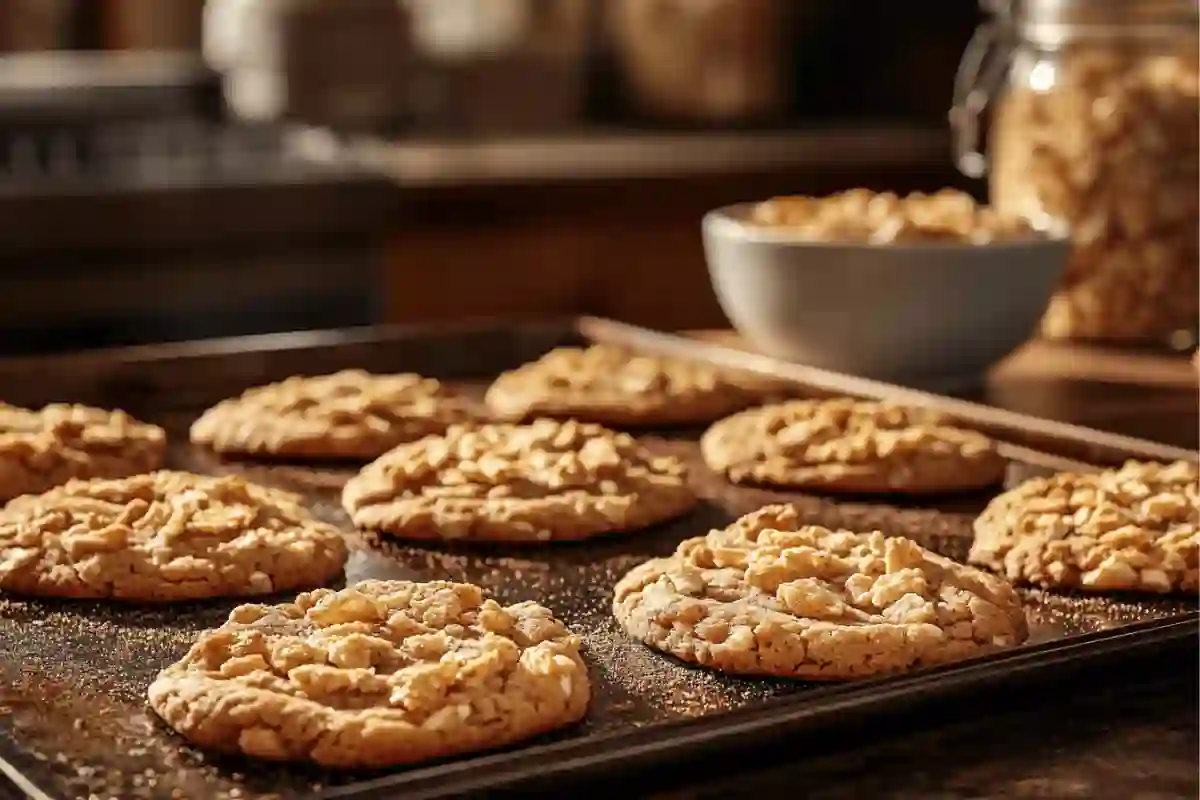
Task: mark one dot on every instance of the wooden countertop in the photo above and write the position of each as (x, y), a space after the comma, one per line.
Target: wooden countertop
(1106, 738)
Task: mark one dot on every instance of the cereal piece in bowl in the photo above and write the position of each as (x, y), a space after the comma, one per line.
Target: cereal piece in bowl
(859, 215)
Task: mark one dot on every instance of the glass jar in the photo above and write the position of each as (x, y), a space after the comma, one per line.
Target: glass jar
(720, 61)
(1095, 131)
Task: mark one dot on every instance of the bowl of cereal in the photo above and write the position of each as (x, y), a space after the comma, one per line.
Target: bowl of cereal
(925, 290)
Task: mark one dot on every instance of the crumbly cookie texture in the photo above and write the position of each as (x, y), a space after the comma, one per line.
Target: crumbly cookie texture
(349, 414)
(379, 674)
(613, 386)
(164, 536)
(845, 445)
(769, 596)
(46, 448)
(548, 480)
(1133, 528)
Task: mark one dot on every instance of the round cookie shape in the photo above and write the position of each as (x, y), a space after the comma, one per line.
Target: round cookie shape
(844, 445)
(768, 596)
(164, 536)
(48, 447)
(614, 386)
(348, 414)
(545, 481)
(379, 674)
(1136, 528)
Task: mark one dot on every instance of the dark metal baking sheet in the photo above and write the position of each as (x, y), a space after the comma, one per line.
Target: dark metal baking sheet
(73, 722)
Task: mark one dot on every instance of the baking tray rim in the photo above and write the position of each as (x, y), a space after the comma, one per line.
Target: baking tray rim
(671, 740)
(820, 708)
(664, 740)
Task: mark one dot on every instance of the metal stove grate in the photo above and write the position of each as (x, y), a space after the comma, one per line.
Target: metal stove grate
(162, 151)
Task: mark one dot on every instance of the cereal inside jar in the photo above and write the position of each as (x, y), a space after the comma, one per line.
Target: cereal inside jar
(1098, 132)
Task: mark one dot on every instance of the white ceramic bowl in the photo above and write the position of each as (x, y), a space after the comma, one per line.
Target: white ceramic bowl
(931, 315)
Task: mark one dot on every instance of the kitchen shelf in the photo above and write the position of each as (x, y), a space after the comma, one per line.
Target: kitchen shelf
(608, 155)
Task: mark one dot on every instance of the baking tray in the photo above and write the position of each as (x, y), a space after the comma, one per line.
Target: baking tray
(73, 722)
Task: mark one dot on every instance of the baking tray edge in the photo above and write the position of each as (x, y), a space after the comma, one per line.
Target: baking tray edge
(812, 712)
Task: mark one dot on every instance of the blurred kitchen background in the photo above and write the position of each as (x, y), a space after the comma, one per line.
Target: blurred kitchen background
(174, 169)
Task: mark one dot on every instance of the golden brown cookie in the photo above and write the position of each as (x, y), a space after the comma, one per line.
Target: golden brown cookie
(46, 448)
(613, 386)
(349, 414)
(769, 596)
(545, 481)
(376, 675)
(1134, 528)
(164, 536)
(845, 445)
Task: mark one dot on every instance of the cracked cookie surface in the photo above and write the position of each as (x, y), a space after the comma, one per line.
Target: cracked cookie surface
(544, 481)
(769, 596)
(846, 445)
(348, 414)
(48, 447)
(1135, 528)
(164, 536)
(378, 674)
(613, 386)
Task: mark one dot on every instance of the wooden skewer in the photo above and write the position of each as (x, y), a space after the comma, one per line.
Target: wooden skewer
(1072, 445)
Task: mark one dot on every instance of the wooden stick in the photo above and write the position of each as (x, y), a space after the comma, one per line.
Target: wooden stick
(1073, 442)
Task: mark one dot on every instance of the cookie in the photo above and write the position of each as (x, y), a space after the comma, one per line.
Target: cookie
(347, 415)
(376, 675)
(165, 536)
(1134, 528)
(43, 449)
(845, 445)
(613, 386)
(548, 480)
(771, 597)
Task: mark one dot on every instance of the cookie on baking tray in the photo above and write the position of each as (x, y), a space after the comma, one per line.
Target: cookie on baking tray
(614, 386)
(348, 414)
(548, 480)
(164, 536)
(847, 445)
(769, 596)
(379, 674)
(48, 447)
(1134, 528)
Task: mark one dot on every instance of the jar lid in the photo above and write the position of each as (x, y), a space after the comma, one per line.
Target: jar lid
(1055, 21)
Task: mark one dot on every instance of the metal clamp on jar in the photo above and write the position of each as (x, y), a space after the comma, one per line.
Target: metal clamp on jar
(1096, 105)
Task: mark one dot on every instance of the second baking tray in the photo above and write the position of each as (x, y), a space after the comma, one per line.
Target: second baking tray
(73, 675)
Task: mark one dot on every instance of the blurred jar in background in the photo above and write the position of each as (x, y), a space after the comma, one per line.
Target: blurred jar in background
(335, 63)
(1098, 130)
(464, 29)
(499, 66)
(242, 40)
(704, 60)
